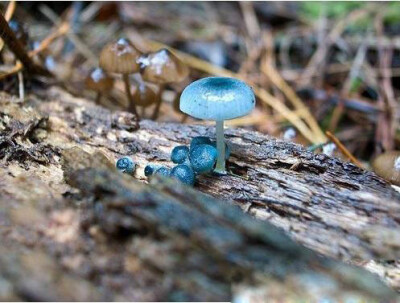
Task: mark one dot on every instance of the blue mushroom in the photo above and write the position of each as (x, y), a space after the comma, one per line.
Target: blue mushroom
(227, 149)
(125, 165)
(183, 173)
(218, 99)
(179, 154)
(162, 171)
(200, 140)
(206, 140)
(150, 169)
(203, 158)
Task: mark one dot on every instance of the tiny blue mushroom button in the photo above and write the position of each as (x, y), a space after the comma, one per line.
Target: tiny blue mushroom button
(125, 165)
(162, 171)
(218, 99)
(150, 169)
(179, 154)
(200, 140)
(203, 157)
(183, 173)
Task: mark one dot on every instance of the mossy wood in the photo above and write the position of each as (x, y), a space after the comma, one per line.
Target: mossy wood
(74, 228)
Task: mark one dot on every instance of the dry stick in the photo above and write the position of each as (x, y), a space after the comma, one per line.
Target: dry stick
(8, 15)
(274, 76)
(355, 68)
(383, 124)
(21, 86)
(43, 45)
(81, 46)
(388, 117)
(353, 74)
(17, 48)
(302, 110)
(90, 12)
(60, 31)
(343, 149)
(262, 94)
(250, 19)
(320, 54)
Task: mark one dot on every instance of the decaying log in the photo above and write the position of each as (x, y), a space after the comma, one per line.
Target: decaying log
(111, 237)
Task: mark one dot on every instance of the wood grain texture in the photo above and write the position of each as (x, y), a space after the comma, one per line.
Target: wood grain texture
(62, 201)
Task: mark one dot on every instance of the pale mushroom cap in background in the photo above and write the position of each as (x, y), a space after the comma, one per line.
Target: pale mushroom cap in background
(120, 57)
(217, 98)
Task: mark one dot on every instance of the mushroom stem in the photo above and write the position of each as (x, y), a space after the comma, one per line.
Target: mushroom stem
(220, 166)
(184, 118)
(132, 106)
(159, 100)
(98, 98)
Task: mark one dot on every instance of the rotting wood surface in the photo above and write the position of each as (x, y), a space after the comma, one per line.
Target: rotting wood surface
(109, 237)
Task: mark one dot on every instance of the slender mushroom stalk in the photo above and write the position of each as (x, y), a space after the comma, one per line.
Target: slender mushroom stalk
(220, 166)
(162, 67)
(131, 102)
(159, 100)
(144, 95)
(120, 57)
(218, 99)
(98, 81)
(21, 33)
(98, 98)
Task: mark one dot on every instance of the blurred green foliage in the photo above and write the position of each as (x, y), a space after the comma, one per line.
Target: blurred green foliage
(392, 14)
(355, 84)
(332, 9)
(339, 9)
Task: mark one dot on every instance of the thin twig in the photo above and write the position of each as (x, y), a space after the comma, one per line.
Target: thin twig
(278, 81)
(343, 149)
(352, 75)
(18, 50)
(250, 19)
(384, 133)
(323, 48)
(81, 46)
(8, 15)
(21, 86)
(42, 46)
(60, 31)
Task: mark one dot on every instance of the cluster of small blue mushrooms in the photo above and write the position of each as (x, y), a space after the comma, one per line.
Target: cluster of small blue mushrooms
(218, 99)
(126, 165)
(199, 158)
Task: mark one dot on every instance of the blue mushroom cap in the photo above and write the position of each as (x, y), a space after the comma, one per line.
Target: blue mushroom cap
(150, 169)
(217, 98)
(183, 173)
(200, 140)
(179, 154)
(125, 165)
(203, 157)
(162, 171)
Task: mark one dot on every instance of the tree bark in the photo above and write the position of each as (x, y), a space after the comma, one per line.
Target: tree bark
(73, 228)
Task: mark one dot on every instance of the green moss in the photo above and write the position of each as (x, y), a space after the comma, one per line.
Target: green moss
(334, 10)
(337, 9)
(392, 14)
